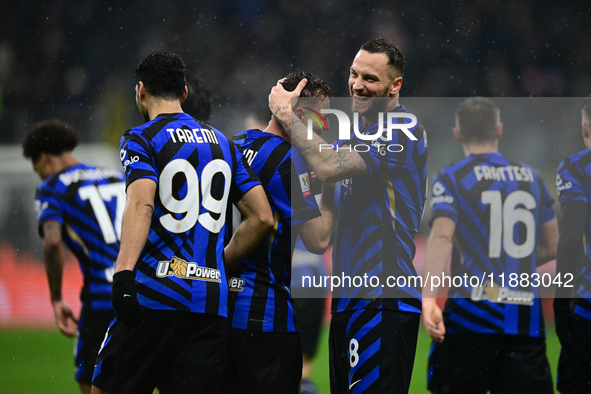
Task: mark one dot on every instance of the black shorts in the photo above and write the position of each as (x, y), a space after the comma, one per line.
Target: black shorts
(92, 326)
(372, 351)
(180, 352)
(310, 313)
(263, 362)
(574, 363)
(475, 363)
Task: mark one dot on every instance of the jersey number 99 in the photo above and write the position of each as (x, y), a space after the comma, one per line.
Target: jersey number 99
(190, 204)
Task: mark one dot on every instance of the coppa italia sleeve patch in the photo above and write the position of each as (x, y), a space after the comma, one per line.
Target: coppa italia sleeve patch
(305, 184)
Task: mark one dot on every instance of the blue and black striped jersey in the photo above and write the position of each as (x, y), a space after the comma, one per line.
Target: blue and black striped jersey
(88, 202)
(198, 172)
(378, 218)
(499, 207)
(260, 286)
(573, 182)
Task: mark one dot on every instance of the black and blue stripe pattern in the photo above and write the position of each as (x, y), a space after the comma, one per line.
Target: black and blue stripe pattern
(264, 302)
(198, 172)
(499, 207)
(88, 202)
(574, 184)
(378, 218)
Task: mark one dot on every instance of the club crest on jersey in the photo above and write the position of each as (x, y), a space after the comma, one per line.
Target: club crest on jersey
(236, 284)
(187, 270)
(561, 185)
(439, 197)
(305, 184)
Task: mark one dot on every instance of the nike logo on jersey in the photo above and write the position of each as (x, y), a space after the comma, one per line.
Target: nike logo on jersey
(353, 384)
(126, 295)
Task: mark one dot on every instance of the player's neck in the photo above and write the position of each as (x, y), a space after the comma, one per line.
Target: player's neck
(479, 149)
(161, 106)
(63, 161)
(276, 128)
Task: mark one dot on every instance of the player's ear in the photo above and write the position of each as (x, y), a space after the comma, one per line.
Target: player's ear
(45, 158)
(457, 135)
(585, 128)
(141, 90)
(185, 94)
(299, 111)
(395, 87)
(499, 130)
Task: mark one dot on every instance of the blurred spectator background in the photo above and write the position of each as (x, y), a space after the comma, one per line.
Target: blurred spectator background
(74, 60)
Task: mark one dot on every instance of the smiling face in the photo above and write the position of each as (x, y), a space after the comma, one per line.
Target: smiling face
(371, 76)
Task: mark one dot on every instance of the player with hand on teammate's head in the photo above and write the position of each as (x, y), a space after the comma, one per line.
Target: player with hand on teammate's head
(77, 204)
(572, 310)
(171, 331)
(380, 203)
(263, 319)
(493, 216)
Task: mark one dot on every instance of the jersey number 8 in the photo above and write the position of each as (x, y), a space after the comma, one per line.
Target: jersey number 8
(189, 205)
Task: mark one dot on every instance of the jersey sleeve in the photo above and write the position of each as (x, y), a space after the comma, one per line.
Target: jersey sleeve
(382, 155)
(244, 178)
(48, 207)
(298, 203)
(570, 183)
(444, 201)
(136, 159)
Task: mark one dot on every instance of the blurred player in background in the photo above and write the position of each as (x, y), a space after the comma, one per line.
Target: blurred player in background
(198, 100)
(573, 259)
(492, 215)
(373, 335)
(172, 332)
(263, 319)
(80, 205)
(309, 306)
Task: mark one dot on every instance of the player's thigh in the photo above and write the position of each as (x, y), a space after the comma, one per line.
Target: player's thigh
(199, 364)
(265, 362)
(373, 351)
(133, 360)
(574, 363)
(523, 367)
(92, 327)
(463, 363)
(337, 354)
(310, 314)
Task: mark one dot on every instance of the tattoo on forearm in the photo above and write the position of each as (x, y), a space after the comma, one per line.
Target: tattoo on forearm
(342, 159)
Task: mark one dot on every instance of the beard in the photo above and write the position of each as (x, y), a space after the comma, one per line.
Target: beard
(373, 105)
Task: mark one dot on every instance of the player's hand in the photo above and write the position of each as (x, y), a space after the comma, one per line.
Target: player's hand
(433, 319)
(124, 299)
(64, 318)
(563, 319)
(280, 100)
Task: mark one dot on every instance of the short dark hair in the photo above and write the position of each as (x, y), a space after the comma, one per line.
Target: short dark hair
(198, 101)
(163, 75)
(49, 136)
(477, 119)
(395, 55)
(587, 111)
(315, 87)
